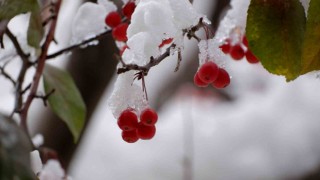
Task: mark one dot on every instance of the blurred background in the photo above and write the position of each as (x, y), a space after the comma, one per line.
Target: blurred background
(260, 127)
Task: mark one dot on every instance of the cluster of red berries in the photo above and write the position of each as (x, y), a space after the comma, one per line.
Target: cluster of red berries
(132, 129)
(237, 52)
(119, 28)
(210, 73)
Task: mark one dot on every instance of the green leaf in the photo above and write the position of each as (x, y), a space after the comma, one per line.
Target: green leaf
(275, 31)
(14, 152)
(35, 30)
(311, 45)
(11, 8)
(66, 100)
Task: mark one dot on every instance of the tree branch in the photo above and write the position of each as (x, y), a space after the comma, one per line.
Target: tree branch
(6, 75)
(16, 44)
(41, 63)
(70, 48)
(190, 33)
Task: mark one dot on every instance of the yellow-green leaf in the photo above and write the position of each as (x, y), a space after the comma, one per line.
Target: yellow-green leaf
(66, 100)
(311, 45)
(275, 31)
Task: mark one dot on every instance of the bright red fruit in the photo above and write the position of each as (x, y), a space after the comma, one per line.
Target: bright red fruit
(165, 42)
(237, 52)
(226, 46)
(130, 136)
(145, 132)
(128, 120)
(119, 33)
(208, 72)
(251, 58)
(113, 19)
(149, 117)
(223, 79)
(128, 9)
(198, 82)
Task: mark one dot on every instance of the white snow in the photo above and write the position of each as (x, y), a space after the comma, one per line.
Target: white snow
(88, 22)
(52, 170)
(108, 5)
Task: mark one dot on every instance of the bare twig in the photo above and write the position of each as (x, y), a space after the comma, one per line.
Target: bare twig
(45, 97)
(98, 37)
(145, 69)
(25, 66)
(23, 56)
(178, 60)
(6, 75)
(46, 21)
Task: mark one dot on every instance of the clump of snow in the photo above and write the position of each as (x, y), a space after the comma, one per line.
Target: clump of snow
(236, 18)
(154, 21)
(108, 5)
(142, 45)
(36, 163)
(126, 94)
(38, 140)
(52, 170)
(89, 20)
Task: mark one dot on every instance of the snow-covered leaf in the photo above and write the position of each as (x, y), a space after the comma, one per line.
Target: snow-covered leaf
(66, 101)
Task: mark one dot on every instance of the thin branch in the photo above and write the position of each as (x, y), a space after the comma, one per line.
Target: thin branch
(145, 69)
(179, 60)
(6, 75)
(23, 56)
(25, 66)
(190, 33)
(45, 98)
(70, 48)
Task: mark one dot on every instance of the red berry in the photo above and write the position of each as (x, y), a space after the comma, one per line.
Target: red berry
(226, 46)
(128, 120)
(113, 19)
(145, 132)
(198, 82)
(119, 33)
(130, 136)
(251, 58)
(223, 79)
(208, 72)
(166, 41)
(245, 41)
(237, 52)
(149, 117)
(128, 9)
